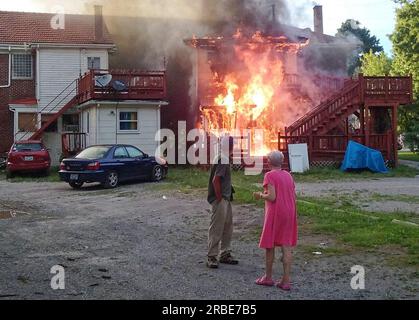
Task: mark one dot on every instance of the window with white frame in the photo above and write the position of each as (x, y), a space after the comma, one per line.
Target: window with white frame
(128, 121)
(93, 63)
(22, 66)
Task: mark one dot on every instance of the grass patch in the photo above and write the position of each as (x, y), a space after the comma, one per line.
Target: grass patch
(187, 179)
(409, 156)
(363, 229)
(335, 216)
(33, 177)
(191, 180)
(324, 174)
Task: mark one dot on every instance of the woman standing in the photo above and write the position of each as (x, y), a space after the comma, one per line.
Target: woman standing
(280, 227)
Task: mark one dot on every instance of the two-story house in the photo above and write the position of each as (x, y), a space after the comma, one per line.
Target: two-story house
(55, 84)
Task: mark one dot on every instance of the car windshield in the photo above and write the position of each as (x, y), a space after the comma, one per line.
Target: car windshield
(27, 147)
(93, 153)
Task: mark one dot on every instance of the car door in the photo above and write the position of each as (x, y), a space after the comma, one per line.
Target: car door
(125, 165)
(141, 162)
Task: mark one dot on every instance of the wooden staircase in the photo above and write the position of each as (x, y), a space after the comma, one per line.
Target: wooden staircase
(70, 104)
(372, 91)
(329, 114)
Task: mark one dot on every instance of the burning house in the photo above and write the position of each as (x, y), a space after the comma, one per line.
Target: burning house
(260, 78)
(292, 84)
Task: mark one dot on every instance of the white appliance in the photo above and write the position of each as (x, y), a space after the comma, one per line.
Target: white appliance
(298, 156)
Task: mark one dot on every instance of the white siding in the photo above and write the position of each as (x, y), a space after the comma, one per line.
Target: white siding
(107, 125)
(102, 54)
(60, 67)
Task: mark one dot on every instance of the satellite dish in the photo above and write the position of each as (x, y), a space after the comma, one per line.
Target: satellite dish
(119, 85)
(103, 81)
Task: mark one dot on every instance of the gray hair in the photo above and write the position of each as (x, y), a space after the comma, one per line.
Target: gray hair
(276, 158)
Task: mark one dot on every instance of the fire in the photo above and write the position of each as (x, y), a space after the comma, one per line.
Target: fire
(249, 94)
(229, 100)
(249, 82)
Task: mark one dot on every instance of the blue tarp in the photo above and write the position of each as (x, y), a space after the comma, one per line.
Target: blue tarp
(359, 157)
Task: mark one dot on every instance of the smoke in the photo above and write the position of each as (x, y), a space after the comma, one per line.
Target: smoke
(149, 35)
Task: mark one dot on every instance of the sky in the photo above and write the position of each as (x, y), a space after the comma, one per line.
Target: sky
(376, 15)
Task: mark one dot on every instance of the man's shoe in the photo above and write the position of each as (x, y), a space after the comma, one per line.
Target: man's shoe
(212, 263)
(228, 259)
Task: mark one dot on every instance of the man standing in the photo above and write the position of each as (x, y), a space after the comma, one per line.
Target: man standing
(220, 195)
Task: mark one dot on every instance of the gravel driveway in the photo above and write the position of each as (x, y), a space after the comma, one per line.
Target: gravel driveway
(135, 243)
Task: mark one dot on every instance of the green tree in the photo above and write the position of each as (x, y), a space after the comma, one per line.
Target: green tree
(376, 64)
(367, 42)
(406, 62)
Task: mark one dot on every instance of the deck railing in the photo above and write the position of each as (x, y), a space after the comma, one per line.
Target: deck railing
(73, 143)
(139, 85)
(364, 90)
(386, 89)
(334, 146)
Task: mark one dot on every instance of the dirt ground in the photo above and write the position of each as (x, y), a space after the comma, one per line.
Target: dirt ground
(136, 243)
(362, 193)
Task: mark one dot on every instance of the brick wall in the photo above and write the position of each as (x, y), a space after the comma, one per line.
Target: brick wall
(18, 89)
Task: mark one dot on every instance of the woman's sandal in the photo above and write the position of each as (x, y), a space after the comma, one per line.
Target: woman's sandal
(284, 286)
(263, 281)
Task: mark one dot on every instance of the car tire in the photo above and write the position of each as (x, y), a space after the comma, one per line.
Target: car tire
(112, 180)
(157, 174)
(76, 185)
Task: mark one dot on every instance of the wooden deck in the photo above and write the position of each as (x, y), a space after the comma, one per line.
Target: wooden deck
(140, 85)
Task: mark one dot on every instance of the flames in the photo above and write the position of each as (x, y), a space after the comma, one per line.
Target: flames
(256, 81)
(249, 94)
(248, 89)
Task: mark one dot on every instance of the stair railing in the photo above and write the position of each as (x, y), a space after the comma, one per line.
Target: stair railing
(33, 123)
(325, 109)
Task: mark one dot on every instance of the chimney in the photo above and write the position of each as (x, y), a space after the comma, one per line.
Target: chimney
(318, 19)
(98, 24)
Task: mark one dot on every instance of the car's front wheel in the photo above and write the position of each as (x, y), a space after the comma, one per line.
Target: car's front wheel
(76, 185)
(157, 173)
(112, 180)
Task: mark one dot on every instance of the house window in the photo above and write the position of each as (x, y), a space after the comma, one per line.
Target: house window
(71, 123)
(93, 63)
(27, 122)
(128, 121)
(22, 66)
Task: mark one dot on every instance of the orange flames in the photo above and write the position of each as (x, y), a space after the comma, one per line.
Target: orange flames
(249, 96)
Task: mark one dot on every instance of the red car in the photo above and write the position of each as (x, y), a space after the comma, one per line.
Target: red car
(28, 156)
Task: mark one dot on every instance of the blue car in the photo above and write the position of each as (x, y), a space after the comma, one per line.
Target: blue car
(110, 165)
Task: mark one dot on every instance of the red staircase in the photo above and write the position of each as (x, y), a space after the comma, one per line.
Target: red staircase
(70, 104)
(140, 85)
(328, 114)
(372, 91)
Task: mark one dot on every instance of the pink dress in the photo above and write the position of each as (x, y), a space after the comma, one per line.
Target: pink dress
(280, 228)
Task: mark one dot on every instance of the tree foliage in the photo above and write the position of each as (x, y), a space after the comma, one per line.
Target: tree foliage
(376, 64)
(362, 37)
(406, 62)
